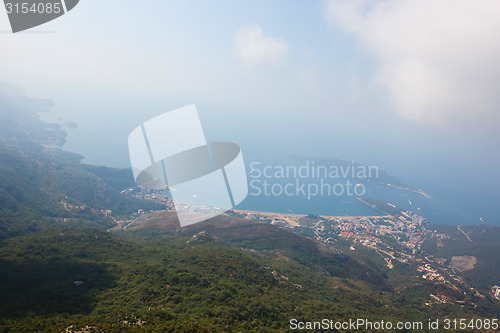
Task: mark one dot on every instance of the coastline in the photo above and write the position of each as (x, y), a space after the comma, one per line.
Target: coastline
(303, 215)
(288, 217)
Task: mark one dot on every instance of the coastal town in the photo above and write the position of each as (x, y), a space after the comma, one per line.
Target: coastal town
(394, 238)
(398, 238)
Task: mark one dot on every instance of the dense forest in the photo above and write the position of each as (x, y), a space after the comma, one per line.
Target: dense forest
(64, 268)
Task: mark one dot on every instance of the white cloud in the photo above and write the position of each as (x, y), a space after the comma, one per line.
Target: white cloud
(439, 60)
(254, 48)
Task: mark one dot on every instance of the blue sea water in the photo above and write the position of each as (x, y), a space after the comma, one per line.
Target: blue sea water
(457, 193)
(268, 194)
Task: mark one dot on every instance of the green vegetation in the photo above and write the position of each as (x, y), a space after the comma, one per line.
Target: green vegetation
(34, 185)
(483, 243)
(164, 281)
(63, 270)
(220, 282)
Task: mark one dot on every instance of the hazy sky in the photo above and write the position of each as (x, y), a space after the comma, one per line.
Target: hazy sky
(392, 82)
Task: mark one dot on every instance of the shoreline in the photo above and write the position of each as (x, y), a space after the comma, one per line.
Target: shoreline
(290, 215)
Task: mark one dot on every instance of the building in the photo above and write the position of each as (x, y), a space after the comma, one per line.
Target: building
(495, 290)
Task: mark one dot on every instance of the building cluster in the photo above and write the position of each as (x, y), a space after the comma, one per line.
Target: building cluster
(400, 237)
(72, 208)
(108, 213)
(430, 273)
(443, 299)
(395, 238)
(160, 195)
(495, 291)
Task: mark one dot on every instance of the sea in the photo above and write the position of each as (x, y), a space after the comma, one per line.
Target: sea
(455, 194)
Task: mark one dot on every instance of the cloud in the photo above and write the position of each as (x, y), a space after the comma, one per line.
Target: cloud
(438, 59)
(254, 48)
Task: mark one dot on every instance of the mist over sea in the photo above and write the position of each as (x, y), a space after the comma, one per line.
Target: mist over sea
(461, 189)
(439, 206)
